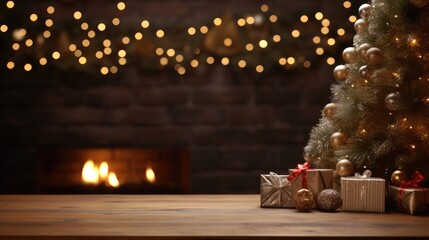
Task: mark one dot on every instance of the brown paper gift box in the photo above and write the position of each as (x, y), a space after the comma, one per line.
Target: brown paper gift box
(275, 191)
(413, 201)
(317, 181)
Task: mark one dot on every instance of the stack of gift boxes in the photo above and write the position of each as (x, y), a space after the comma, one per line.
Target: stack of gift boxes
(304, 189)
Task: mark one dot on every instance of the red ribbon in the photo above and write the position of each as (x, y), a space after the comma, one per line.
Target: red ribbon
(301, 168)
(417, 177)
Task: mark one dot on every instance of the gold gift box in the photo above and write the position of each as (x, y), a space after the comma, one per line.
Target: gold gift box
(317, 181)
(275, 191)
(413, 201)
(363, 194)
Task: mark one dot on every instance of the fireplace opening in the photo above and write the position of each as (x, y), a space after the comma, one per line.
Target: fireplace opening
(112, 170)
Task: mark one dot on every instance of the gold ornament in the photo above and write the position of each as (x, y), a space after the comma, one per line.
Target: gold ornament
(374, 56)
(362, 50)
(304, 200)
(341, 73)
(337, 139)
(365, 10)
(329, 110)
(397, 177)
(393, 101)
(350, 54)
(224, 40)
(329, 200)
(419, 3)
(361, 25)
(344, 168)
(365, 72)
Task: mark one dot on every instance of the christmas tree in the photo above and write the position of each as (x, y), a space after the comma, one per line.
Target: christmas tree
(379, 115)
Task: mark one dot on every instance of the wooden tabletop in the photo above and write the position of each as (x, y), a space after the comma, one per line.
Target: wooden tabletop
(185, 217)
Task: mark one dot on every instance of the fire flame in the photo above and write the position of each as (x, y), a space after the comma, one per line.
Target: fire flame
(92, 174)
(150, 175)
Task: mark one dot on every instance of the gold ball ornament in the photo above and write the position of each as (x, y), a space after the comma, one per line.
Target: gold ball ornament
(365, 72)
(341, 72)
(361, 25)
(329, 110)
(393, 101)
(350, 54)
(374, 56)
(337, 139)
(304, 200)
(362, 49)
(398, 176)
(329, 200)
(419, 3)
(365, 10)
(344, 168)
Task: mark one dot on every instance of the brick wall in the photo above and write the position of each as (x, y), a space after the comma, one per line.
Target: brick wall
(235, 126)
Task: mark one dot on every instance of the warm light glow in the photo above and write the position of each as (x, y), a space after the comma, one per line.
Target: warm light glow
(316, 39)
(78, 53)
(121, 6)
(250, 20)
(347, 4)
(104, 71)
(413, 146)
(249, 47)
(291, 60)
(15, 46)
(352, 18)
(138, 36)
(217, 21)
(104, 170)
(341, 31)
(273, 18)
(204, 29)
(191, 31)
(160, 33)
(241, 22)
(99, 54)
(56, 55)
(122, 61)
(82, 60)
(10, 4)
(277, 38)
(318, 15)
(84, 26)
(179, 58)
(113, 69)
(263, 43)
(264, 7)
(330, 61)
(101, 27)
(326, 22)
(10, 65)
(85, 43)
(91, 34)
(77, 15)
(194, 63)
(145, 24)
(3, 28)
(307, 64)
(225, 61)
(43, 61)
(282, 61)
(50, 10)
(181, 71)
(150, 174)
(259, 68)
(304, 18)
(159, 51)
(163, 61)
(29, 42)
(125, 40)
(90, 173)
(242, 63)
(331, 41)
(122, 53)
(46, 34)
(171, 52)
(295, 33)
(113, 180)
(210, 60)
(107, 43)
(116, 21)
(227, 42)
(33, 17)
(324, 30)
(18, 34)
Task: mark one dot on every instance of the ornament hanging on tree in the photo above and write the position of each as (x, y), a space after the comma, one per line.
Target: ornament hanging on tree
(393, 101)
(374, 56)
(361, 25)
(329, 200)
(304, 200)
(329, 110)
(340, 73)
(365, 72)
(397, 177)
(362, 49)
(419, 3)
(337, 139)
(344, 168)
(350, 54)
(365, 10)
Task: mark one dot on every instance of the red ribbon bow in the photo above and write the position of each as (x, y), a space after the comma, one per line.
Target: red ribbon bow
(417, 177)
(301, 168)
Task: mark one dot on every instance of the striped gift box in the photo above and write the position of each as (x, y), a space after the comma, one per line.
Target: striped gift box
(363, 193)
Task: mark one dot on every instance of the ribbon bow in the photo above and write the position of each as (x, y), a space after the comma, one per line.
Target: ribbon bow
(365, 174)
(417, 177)
(301, 168)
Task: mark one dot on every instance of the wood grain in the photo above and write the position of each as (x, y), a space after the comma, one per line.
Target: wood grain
(186, 216)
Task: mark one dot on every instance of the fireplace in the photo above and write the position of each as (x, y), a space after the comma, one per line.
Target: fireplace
(112, 170)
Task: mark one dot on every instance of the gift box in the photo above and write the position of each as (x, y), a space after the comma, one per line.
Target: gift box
(275, 191)
(409, 197)
(363, 193)
(315, 180)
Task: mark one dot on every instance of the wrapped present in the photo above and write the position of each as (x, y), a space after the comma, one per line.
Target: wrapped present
(409, 197)
(315, 180)
(363, 193)
(275, 191)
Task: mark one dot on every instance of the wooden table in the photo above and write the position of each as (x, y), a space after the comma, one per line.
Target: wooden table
(186, 217)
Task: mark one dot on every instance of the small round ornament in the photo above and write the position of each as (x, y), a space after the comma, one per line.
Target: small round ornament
(337, 139)
(362, 49)
(374, 56)
(329, 200)
(419, 3)
(365, 10)
(304, 200)
(344, 168)
(365, 72)
(398, 176)
(393, 101)
(350, 54)
(361, 25)
(341, 73)
(329, 110)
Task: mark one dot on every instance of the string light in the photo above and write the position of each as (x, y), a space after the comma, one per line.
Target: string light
(107, 43)
(84, 26)
(50, 10)
(82, 60)
(179, 58)
(210, 60)
(264, 8)
(121, 6)
(331, 41)
(325, 22)
(171, 52)
(29, 42)
(78, 53)
(217, 21)
(263, 43)
(99, 54)
(259, 68)
(46, 34)
(160, 33)
(33, 17)
(319, 51)
(273, 19)
(282, 61)
(10, 4)
(277, 38)
(163, 61)
(204, 29)
(101, 27)
(295, 33)
(324, 30)
(347, 4)
(86, 42)
(122, 53)
(72, 47)
(225, 61)
(159, 51)
(242, 64)
(318, 16)
(138, 36)
(116, 21)
(291, 60)
(341, 31)
(316, 39)
(249, 47)
(122, 61)
(15, 46)
(77, 15)
(91, 34)
(4, 28)
(352, 18)
(43, 61)
(125, 40)
(191, 31)
(113, 69)
(104, 70)
(241, 22)
(250, 20)
(304, 18)
(107, 51)
(56, 55)
(28, 67)
(10, 65)
(194, 63)
(307, 64)
(145, 24)
(330, 61)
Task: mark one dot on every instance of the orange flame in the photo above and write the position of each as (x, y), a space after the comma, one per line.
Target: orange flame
(92, 174)
(150, 175)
